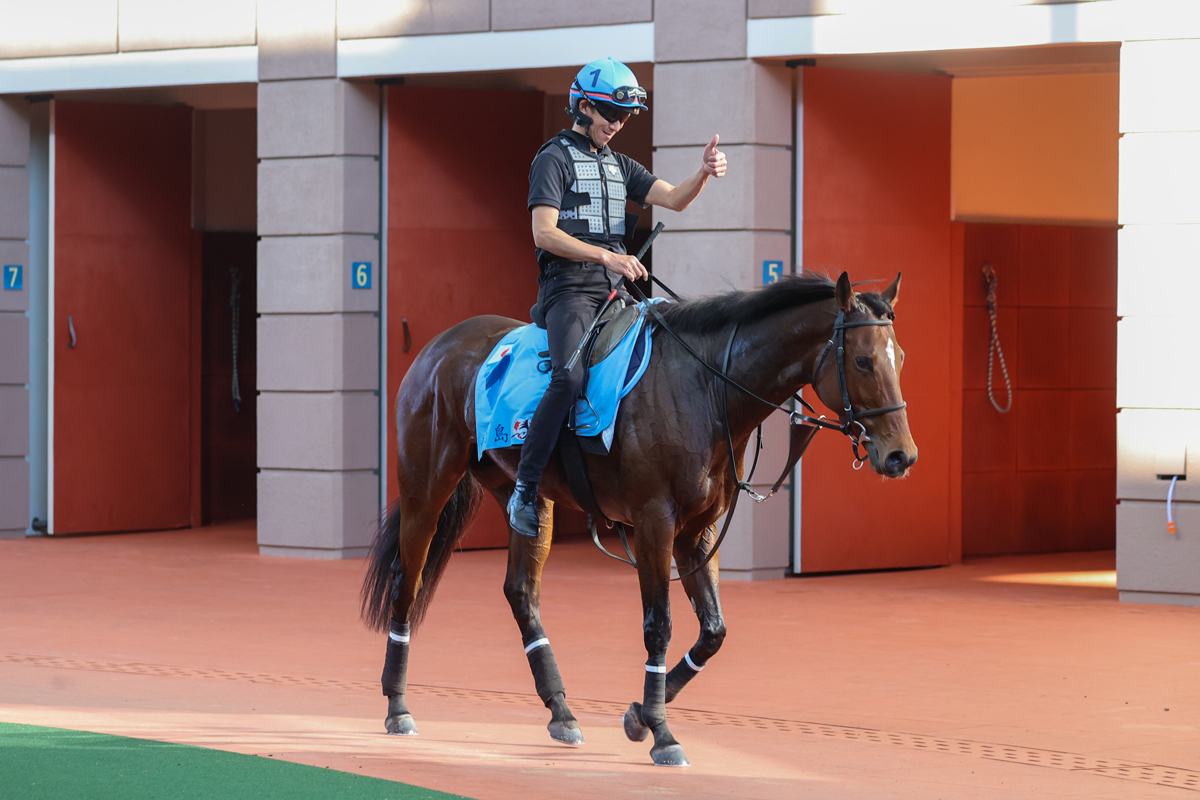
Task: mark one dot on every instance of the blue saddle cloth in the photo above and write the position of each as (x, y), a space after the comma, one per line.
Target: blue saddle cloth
(514, 377)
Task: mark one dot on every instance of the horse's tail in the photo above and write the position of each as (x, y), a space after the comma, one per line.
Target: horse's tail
(385, 570)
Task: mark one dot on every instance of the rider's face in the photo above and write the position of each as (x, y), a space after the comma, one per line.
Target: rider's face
(602, 130)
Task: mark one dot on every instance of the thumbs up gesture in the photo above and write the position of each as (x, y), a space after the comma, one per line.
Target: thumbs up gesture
(714, 159)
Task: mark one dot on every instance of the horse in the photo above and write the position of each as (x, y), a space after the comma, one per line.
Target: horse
(671, 473)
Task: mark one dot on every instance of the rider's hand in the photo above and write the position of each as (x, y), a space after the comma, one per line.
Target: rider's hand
(628, 266)
(714, 159)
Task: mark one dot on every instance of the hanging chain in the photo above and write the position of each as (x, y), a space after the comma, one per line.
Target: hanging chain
(994, 350)
(235, 313)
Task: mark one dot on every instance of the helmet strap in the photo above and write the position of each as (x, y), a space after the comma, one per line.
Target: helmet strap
(585, 122)
(582, 119)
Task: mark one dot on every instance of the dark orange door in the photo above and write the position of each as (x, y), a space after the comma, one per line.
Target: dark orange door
(122, 274)
(876, 199)
(459, 241)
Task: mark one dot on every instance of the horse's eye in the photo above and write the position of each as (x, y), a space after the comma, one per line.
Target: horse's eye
(864, 363)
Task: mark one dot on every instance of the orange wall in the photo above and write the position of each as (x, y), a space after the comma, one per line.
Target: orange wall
(1043, 476)
(459, 241)
(1035, 148)
(877, 201)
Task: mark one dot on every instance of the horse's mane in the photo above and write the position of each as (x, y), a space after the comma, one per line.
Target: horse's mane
(712, 313)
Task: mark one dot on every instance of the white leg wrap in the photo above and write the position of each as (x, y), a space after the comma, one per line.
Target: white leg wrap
(534, 645)
(399, 637)
(655, 668)
(688, 658)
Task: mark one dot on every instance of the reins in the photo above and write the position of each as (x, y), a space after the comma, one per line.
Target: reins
(803, 426)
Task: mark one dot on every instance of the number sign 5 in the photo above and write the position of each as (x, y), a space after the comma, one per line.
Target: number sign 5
(772, 271)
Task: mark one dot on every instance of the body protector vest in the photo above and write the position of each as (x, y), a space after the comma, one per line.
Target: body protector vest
(595, 204)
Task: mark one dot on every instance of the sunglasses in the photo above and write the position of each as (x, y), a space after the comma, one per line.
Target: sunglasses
(611, 113)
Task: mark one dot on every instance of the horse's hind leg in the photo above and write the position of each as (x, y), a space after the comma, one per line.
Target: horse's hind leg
(522, 587)
(417, 528)
(429, 526)
(702, 590)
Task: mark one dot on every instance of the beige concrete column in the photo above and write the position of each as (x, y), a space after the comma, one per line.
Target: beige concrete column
(14, 326)
(737, 223)
(318, 337)
(1158, 384)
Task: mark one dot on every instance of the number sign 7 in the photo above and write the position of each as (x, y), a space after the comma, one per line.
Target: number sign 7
(13, 278)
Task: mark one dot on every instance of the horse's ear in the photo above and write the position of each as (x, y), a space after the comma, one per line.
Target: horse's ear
(892, 292)
(844, 292)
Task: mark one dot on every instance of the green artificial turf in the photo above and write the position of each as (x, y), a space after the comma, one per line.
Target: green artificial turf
(53, 763)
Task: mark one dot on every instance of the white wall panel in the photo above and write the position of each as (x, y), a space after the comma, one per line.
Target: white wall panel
(162, 24)
(1159, 272)
(57, 27)
(1151, 560)
(1144, 433)
(1158, 365)
(1160, 82)
(1159, 179)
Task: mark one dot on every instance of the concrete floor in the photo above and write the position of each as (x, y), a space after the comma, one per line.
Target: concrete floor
(1006, 677)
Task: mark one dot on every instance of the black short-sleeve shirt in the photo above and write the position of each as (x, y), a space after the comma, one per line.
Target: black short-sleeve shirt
(550, 177)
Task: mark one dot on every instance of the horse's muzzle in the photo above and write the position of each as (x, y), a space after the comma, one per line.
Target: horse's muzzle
(897, 463)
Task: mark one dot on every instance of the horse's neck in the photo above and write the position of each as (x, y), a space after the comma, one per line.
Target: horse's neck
(774, 358)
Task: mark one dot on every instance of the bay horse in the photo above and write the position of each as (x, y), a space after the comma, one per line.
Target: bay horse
(668, 475)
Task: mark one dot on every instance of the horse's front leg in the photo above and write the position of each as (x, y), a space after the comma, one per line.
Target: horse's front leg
(523, 587)
(702, 590)
(654, 574)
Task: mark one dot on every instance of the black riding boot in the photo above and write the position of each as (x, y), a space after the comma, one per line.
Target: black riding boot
(522, 509)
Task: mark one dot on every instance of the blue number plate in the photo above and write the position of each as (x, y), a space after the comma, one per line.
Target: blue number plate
(14, 277)
(772, 271)
(360, 275)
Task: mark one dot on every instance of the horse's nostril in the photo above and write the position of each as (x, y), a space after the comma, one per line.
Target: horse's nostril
(897, 461)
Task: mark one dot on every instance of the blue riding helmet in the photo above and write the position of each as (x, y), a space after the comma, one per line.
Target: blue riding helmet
(608, 85)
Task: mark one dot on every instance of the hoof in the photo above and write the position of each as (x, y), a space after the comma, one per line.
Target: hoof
(635, 729)
(669, 756)
(566, 732)
(401, 725)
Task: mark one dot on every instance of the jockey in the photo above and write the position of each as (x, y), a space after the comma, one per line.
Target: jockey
(577, 193)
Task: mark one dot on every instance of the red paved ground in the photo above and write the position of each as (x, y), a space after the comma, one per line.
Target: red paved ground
(922, 684)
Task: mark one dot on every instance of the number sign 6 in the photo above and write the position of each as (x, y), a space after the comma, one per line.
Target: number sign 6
(360, 275)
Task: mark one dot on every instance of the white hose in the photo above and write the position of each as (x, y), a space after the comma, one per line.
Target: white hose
(1170, 498)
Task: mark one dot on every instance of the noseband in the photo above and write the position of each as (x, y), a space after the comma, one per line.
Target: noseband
(859, 437)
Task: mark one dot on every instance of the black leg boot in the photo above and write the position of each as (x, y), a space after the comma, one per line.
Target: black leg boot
(522, 509)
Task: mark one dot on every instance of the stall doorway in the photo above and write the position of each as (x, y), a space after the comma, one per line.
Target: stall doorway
(1042, 476)
(139, 328)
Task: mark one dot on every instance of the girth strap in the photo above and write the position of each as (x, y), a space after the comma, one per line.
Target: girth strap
(575, 466)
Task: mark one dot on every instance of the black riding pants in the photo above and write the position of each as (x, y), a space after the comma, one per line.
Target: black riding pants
(569, 296)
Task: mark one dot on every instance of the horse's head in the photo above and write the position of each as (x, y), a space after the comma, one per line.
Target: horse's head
(871, 367)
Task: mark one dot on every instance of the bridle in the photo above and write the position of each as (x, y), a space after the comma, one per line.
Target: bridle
(852, 417)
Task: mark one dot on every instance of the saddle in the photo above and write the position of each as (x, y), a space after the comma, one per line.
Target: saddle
(617, 320)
